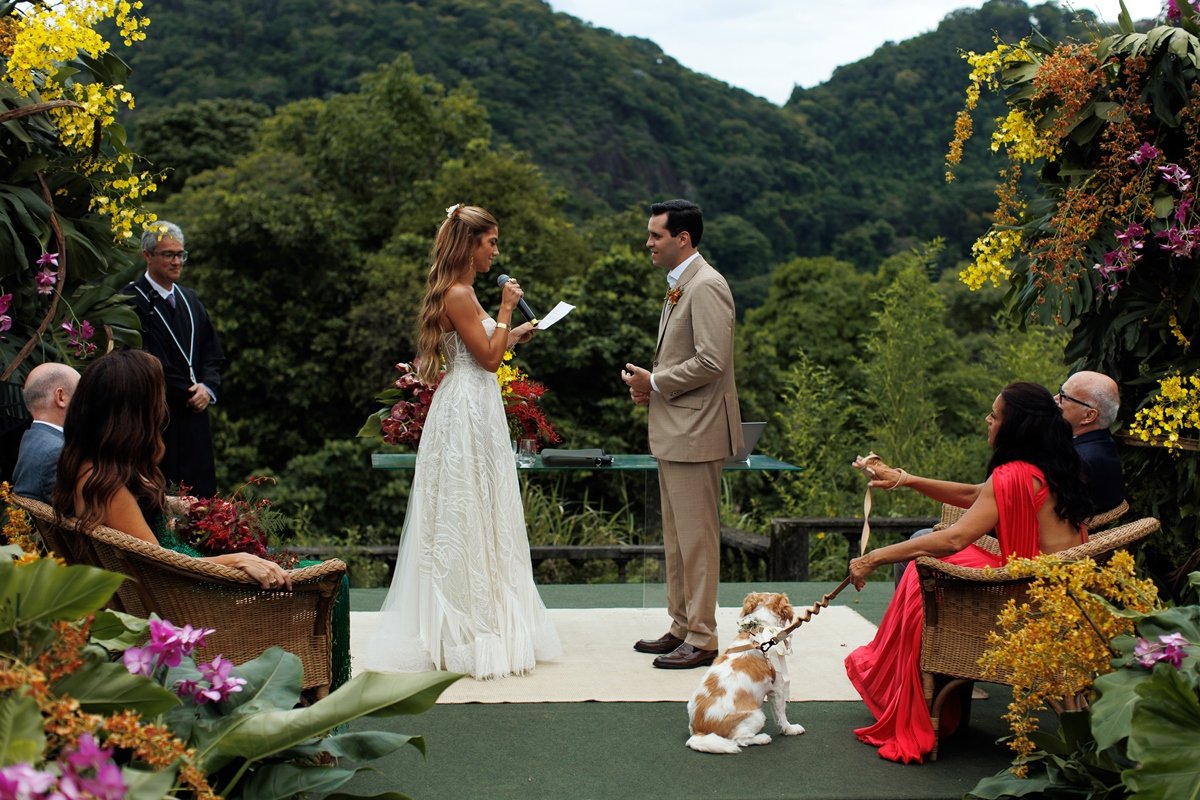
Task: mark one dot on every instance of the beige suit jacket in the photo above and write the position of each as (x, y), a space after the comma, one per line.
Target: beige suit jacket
(694, 415)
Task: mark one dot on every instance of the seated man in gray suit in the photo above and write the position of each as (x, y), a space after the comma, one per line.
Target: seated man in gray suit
(48, 390)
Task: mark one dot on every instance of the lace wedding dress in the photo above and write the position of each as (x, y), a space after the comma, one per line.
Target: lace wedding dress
(463, 597)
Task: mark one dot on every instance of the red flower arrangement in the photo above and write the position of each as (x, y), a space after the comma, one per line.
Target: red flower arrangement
(217, 525)
(521, 396)
(407, 405)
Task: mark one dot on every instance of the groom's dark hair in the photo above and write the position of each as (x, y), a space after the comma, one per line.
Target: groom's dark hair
(682, 215)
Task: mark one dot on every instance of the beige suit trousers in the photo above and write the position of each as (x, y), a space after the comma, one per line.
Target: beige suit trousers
(690, 493)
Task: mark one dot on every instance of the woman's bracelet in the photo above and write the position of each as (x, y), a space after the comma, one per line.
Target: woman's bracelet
(901, 479)
(503, 325)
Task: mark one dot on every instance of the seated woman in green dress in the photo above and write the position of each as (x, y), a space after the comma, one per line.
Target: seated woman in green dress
(108, 471)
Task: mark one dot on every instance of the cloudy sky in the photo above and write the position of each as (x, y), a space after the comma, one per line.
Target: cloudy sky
(766, 46)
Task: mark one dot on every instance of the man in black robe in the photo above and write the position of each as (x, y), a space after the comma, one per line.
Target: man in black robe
(176, 328)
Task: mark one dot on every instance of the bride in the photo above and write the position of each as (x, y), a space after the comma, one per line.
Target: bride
(463, 597)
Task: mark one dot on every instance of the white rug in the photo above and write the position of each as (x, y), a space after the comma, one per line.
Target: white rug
(599, 662)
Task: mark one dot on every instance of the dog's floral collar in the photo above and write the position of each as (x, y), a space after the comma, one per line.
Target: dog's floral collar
(674, 294)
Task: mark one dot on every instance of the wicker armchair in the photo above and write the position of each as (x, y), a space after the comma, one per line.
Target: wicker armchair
(952, 514)
(248, 619)
(961, 606)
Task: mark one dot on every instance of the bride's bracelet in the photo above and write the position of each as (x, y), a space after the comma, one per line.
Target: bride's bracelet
(901, 479)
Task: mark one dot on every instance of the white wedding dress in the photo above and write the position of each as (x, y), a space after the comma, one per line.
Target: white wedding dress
(463, 597)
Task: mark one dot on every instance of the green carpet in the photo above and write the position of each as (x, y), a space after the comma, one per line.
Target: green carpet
(636, 750)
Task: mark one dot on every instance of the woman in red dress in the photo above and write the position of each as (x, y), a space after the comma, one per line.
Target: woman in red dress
(1033, 499)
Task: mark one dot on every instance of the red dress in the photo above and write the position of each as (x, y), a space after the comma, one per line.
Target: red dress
(887, 672)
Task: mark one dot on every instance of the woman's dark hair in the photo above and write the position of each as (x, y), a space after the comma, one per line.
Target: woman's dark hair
(1032, 429)
(114, 423)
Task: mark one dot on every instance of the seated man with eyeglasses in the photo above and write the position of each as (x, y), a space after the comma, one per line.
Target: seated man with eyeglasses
(1089, 403)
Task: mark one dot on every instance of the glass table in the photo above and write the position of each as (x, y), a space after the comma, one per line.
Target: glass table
(622, 462)
(651, 547)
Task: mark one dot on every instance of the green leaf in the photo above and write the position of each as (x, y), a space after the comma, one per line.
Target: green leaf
(284, 781)
(1124, 20)
(1113, 709)
(109, 687)
(363, 746)
(44, 591)
(143, 785)
(371, 429)
(274, 681)
(22, 738)
(1005, 784)
(384, 796)
(1164, 738)
(116, 630)
(368, 694)
(1164, 206)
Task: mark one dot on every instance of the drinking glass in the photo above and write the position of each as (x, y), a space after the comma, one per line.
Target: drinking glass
(526, 452)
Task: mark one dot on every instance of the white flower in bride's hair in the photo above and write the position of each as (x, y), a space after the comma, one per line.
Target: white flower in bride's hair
(450, 211)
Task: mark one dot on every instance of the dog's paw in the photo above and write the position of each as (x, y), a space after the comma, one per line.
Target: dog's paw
(791, 730)
(758, 738)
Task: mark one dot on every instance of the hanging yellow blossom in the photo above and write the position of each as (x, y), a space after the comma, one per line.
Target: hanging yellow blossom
(1173, 412)
(1052, 647)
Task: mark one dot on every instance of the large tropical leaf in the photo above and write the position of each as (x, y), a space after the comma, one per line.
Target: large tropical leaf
(1113, 709)
(116, 630)
(359, 746)
(21, 736)
(108, 687)
(143, 785)
(44, 591)
(368, 694)
(283, 781)
(1164, 738)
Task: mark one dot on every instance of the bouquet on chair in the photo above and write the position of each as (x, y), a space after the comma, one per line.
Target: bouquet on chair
(216, 525)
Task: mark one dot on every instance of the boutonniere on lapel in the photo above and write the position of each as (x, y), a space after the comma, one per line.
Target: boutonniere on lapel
(674, 295)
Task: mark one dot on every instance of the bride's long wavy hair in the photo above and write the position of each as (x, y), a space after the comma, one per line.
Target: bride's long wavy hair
(449, 259)
(113, 423)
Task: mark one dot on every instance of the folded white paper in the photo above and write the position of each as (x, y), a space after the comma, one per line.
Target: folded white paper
(556, 313)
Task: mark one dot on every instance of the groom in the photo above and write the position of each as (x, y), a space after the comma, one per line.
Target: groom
(694, 426)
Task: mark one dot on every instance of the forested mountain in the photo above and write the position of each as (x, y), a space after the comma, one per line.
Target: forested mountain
(852, 168)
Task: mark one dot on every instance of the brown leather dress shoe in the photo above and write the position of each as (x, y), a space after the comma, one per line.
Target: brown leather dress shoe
(686, 657)
(663, 644)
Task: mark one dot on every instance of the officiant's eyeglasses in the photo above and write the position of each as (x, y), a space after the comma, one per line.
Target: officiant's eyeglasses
(171, 255)
(1064, 396)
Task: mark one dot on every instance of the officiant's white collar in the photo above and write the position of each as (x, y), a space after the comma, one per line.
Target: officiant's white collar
(162, 290)
(674, 275)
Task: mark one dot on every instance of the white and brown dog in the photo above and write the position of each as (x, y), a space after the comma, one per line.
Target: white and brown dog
(725, 713)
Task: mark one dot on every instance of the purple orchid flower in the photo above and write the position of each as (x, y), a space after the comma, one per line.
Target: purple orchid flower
(1178, 242)
(1132, 236)
(1173, 13)
(1181, 210)
(139, 661)
(1147, 152)
(1176, 175)
(89, 772)
(22, 780)
(48, 260)
(45, 281)
(1170, 648)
